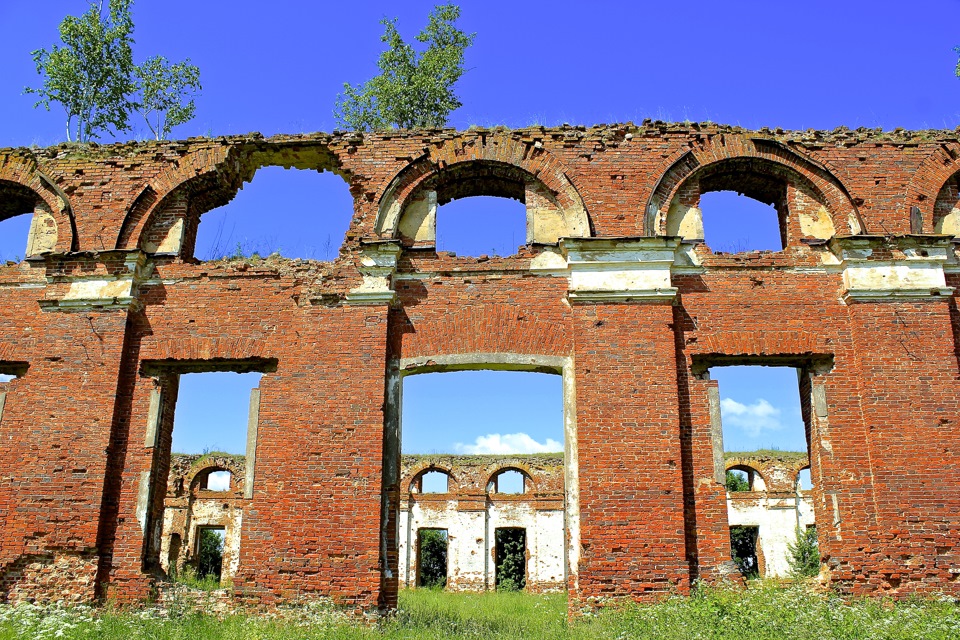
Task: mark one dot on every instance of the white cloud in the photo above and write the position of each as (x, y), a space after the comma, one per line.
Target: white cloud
(508, 443)
(752, 418)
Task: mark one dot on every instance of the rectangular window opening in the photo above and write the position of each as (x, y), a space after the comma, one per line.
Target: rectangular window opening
(209, 553)
(432, 547)
(501, 431)
(765, 430)
(510, 558)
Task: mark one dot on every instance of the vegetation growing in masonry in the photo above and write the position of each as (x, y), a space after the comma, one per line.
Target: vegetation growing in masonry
(92, 75)
(414, 89)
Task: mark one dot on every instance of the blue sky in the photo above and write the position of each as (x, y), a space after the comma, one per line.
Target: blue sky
(278, 68)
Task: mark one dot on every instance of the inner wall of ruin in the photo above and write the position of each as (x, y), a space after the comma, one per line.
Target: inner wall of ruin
(615, 290)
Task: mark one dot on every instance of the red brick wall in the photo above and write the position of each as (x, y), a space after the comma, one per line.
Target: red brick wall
(652, 518)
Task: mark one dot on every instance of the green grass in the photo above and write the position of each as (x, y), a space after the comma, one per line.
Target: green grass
(765, 610)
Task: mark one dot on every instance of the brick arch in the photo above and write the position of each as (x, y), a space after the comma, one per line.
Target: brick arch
(23, 173)
(453, 483)
(689, 163)
(933, 174)
(507, 464)
(501, 148)
(747, 465)
(759, 343)
(497, 328)
(211, 464)
(215, 170)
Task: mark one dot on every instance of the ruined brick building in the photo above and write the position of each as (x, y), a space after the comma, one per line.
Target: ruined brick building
(615, 291)
(471, 505)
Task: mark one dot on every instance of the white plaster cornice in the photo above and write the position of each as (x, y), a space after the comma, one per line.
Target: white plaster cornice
(611, 270)
(378, 263)
(890, 268)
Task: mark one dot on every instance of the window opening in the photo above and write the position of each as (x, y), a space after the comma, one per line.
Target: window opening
(483, 419)
(434, 482)
(212, 411)
(210, 542)
(482, 225)
(734, 223)
(762, 416)
(14, 232)
(217, 481)
(743, 550)
(804, 481)
(743, 478)
(296, 213)
(737, 481)
(432, 558)
(510, 481)
(511, 558)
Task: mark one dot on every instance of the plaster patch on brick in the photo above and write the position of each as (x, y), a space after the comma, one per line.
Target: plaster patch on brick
(817, 224)
(42, 237)
(253, 422)
(419, 219)
(684, 221)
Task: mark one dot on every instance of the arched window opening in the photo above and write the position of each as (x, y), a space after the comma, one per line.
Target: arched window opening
(14, 234)
(804, 480)
(482, 225)
(292, 212)
(509, 481)
(946, 209)
(432, 482)
(743, 478)
(735, 223)
(216, 481)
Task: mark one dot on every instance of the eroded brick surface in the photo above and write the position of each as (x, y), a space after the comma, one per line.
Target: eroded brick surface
(105, 315)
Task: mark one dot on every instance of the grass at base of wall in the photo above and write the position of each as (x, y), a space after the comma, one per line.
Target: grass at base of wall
(765, 610)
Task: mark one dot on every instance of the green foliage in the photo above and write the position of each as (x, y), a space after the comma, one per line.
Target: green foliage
(90, 75)
(743, 548)
(804, 554)
(511, 559)
(188, 576)
(433, 558)
(165, 93)
(765, 611)
(210, 554)
(736, 482)
(413, 90)
(93, 77)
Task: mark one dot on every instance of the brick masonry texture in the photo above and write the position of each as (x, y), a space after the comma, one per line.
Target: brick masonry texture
(110, 307)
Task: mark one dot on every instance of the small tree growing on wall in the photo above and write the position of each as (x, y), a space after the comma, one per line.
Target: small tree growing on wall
(93, 76)
(413, 90)
(90, 75)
